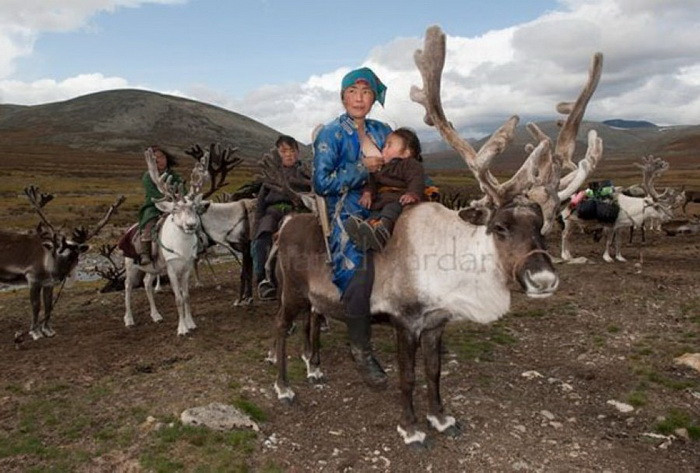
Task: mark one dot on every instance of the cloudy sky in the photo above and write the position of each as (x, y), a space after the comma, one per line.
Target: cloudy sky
(280, 61)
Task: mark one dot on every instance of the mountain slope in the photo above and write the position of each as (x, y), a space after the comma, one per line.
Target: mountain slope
(127, 121)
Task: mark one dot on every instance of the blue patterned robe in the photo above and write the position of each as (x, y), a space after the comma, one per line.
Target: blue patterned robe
(339, 176)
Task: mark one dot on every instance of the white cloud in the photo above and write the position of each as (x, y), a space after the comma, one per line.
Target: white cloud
(21, 21)
(49, 90)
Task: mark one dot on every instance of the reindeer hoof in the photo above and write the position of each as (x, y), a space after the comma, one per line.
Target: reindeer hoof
(417, 446)
(453, 431)
(243, 302)
(48, 332)
(316, 380)
(285, 395)
(413, 439)
(36, 334)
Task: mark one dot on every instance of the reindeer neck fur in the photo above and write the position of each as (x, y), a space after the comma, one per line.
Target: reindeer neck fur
(175, 243)
(451, 266)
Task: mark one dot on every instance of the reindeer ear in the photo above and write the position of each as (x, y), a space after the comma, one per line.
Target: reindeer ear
(83, 247)
(203, 206)
(475, 215)
(48, 244)
(165, 206)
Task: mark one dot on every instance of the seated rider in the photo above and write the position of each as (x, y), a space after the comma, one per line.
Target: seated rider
(272, 206)
(399, 182)
(149, 213)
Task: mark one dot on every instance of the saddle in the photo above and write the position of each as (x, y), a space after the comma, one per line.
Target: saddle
(130, 242)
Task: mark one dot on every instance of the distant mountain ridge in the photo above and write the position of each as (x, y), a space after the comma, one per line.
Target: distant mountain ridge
(128, 120)
(123, 122)
(621, 123)
(677, 144)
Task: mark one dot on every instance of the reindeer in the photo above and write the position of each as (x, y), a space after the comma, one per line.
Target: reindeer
(228, 223)
(178, 245)
(441, 264)
(44, 258)
(634, 211)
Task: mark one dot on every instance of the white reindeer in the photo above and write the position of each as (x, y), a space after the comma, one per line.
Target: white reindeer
(177, 246)
(634, 211)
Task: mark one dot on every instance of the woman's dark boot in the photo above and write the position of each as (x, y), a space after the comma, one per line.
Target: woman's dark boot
(359, 331)
(145, 256)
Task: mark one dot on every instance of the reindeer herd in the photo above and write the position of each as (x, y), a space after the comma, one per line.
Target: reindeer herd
(424, 278)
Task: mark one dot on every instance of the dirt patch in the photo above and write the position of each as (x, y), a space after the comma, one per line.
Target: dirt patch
(531, 392)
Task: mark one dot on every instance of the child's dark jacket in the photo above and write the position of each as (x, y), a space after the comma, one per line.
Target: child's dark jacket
(397, 177)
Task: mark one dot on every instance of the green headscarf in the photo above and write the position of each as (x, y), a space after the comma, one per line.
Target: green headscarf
(365, 74)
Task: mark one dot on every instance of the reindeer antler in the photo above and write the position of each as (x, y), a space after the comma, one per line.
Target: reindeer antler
(221, 161)
(539, 176)
(38, 200)
(163, 182)
(566, 142)
(273, 177)
(82, 235)
(113, 273)
(652, 167)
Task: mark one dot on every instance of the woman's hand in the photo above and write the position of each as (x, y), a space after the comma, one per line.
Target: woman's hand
(366, 199)
(408, 198)
(373, 163)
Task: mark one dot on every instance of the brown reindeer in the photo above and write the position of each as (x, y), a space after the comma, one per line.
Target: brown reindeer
(44, 258)
(441, 264)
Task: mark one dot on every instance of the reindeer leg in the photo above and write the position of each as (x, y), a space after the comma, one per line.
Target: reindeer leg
(407, 345)
(431, 341)
(618, 244)
(148, 286)
(245, 295)
(197, 281)
(129, 273)
(47, 293)
(611, 232)
(565, 235)
(312, 343)
(185, 288)
(174, 267)
(35, 299)
(283, 322)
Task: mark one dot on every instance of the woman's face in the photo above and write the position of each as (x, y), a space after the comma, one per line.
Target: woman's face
(358, 99)
(289, 154)
(161, 161)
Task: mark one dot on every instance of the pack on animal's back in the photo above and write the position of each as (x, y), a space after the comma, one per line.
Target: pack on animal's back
(599, 204)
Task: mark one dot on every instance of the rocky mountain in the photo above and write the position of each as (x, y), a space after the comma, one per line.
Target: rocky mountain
(677, 144)
(127, 121)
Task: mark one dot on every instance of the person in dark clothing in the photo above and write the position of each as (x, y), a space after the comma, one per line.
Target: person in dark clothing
(149, 213)
(272, 206)
(399, 182)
